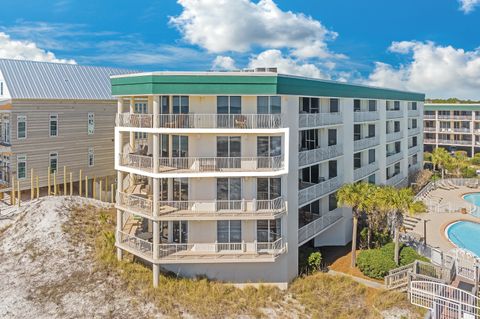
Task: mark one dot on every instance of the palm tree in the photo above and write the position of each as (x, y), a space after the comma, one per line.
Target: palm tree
(354, 196)
(375, 211)
(440, 158)
(400, 203)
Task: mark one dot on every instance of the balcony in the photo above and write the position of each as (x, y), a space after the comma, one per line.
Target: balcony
(319, 119)
(462, 130)
(366, 142)
(317, 226)
(414, 150)
(395, 179)
(309, 192)
(393, 114)
(429, 116)
(201, 252)
(201, 121)
(202, 164)
(414, 113)
(413, 131)
(394, 136)
(201, 209)
(454, 142)
(365, 116)
(394, 157)
(429, 129)
(365, 171)
(320, 154)
(429, 141)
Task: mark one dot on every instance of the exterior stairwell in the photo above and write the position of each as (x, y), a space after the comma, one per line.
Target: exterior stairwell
(410, 222)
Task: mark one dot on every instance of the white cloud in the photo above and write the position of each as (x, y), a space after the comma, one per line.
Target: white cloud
(223, 63)
(468, 6)
(26, 50)
(287, 65)
(439, 71)
(240, 25)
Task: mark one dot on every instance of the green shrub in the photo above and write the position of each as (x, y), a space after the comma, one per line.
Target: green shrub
(376, 263)
(315, 261)
(469, 172)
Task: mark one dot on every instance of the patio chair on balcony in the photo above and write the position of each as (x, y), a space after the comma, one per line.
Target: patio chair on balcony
(240, 121)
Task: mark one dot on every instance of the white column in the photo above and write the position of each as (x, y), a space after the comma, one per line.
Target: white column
(132, 134)
(119, 215)
(154, 105)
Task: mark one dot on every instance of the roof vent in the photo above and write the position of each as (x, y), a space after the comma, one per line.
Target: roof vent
(274, 70)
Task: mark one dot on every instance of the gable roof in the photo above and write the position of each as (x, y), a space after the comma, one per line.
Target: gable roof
(45, 80)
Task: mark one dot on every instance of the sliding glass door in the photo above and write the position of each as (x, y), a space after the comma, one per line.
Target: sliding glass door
(229, 193)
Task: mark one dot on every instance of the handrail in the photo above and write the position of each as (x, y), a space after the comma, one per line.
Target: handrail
(313, 228)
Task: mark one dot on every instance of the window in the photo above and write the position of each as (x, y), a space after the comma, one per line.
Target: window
(91, 157)
(357, 160)
(180, 232)
(1, 88)
(357, 132)
(268, 146)
(371, 155)
(179, 146)
(372, 179)
(372, 105)
(21, 127)
(309, 105)
(229, 231)
(269, 188)
(356, 105)
(91, 123)
(181, 105)
(229, 104)
(371, 130)
(396, 105)
(332, 137)
(180, 189)
(309, 140)
(53, 125)
(21, 166)
(414, 106)
(165, 109)
(269, 105)
(229, 193)
(332, 169)
(53, 162)
(332, 202)
(334, 105)
(269, 230)
(140, 108)
(414, 123)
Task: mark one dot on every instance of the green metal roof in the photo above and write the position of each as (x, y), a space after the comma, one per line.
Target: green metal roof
(452, 107)
(249, 84)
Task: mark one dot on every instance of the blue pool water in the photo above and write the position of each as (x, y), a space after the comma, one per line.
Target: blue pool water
(465, 234)
(474, 198)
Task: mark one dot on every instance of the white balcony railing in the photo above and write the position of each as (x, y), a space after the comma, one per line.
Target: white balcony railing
(319, 154)
(201, 121)
(414, 113)
(134, 120)
(203, 164)
(394, 180)
(414, 150)
(315, 191)
(428, 117)
(315, 227)
(218, 164)
(429, 129)
(365, 171)
(429, 141)
(413, 131)
(393, 158)
(319, 119)
(215, 250)
(366, 142)
(198, 207)
(365, 116)
(394, 136)
(393, 114)
(454, 142)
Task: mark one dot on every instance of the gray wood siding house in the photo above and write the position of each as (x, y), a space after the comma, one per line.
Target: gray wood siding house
(55, 113)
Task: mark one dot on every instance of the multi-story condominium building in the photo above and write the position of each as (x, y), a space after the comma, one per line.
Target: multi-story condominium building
(455, 127)
(55, 115)
(226, 174)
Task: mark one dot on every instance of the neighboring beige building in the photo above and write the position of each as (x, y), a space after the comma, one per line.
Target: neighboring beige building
(227, 174)
(55, 115)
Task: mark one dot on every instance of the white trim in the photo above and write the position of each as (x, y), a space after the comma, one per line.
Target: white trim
(22, 118)
(91, 128)
(50, 116)
(50, 155)
(91, 152)
(22, 158)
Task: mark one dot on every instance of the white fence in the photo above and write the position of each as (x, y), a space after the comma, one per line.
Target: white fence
(320, 154)
(319, 119)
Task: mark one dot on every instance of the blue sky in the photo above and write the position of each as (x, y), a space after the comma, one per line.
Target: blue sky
(404, 44)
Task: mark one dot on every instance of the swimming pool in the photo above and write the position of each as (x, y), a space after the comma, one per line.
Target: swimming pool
(474, 198)
(466, 235)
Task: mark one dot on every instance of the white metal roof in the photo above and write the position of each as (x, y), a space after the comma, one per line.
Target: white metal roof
(44, 80)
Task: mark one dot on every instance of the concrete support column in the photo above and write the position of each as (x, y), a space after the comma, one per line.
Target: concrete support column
(132, 134)
(119, 215)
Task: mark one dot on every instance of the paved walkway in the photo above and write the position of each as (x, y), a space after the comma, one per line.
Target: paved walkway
(437, 222)
(366, 282)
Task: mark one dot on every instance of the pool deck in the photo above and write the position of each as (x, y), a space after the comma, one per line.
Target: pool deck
(438, 222)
